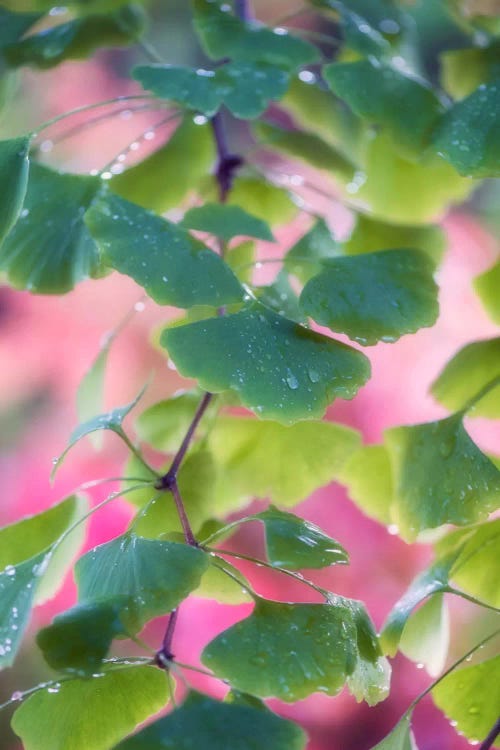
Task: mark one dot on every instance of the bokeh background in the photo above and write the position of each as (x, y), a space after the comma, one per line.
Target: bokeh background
(48, 343)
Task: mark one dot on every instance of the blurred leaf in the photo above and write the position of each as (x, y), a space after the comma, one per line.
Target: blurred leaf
(206, 723)
(375, 296)
(263, 199)
(94, 713)
(487, 286)
(287, 651)
(164, 424)
(246, 88)
(401, 737)
(470, 697)
(226, 222)
(370, 235)
(280, 369)
(440, 476)
(172, 266)
(463, 70)
(153, 577)
(467, 134)
(241, 260)
(14, 25)
(304, 258)
(281, 297)
(426, 635)
(14, 167)
(368, 478)
(470, 370)
(163, 179)
(49, 250)
(90, 393)
(384, 16)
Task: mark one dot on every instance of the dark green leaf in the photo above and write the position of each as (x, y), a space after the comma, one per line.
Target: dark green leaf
(223, 35)
(14, 166)
(470, 697)
(383, 16)
(467, 135)
(50, 250)
(287, 651)
(226, 222)
(487, 286)
(14, 25)
(426, 635)
(473, 367)
(281, 297)
(370, 680)
(279, 369)
(293, 543)
(440, 476)
(94, 713)
(163, 179)
(401, 737)
(173, 267)
(406, 107)
(304, 258)
(246, 88)
(368, 478)
(153, 577)
(375, 296)
(206, 723)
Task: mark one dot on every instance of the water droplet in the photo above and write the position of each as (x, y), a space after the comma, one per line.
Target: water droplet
(393, 529)
(24, 213)
(10, 570)
(292, 381)
(139, 306)
(46, 146)
(16, 696)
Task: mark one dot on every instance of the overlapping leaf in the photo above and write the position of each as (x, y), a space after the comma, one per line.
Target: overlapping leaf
(263, 199)
(401, 737)
(426, 635)
(487, 286)
(278, 368)
(226, 222)
(173, 267)
(304, 259)
(375, 296)
(14, 166)
(163, 425)
(368, 477)
(281, 297)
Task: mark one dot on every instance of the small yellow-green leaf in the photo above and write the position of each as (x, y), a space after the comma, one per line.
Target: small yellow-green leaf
(401, 737)
(487, 286)
(426, 635)
(368, 478)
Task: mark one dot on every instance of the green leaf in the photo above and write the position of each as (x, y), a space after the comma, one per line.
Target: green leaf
(304, 258)
(164, 178)
(153, 577)
(14, 25)
(463, 70)
(306, 146)
(470, 698)
(111, 420)
(173, 267)
(94, 713)
(405, 107)
(226, 222)
(287, 651)
(440, 476)
(426, 635)
(375, 296)
(14, 166)
(241, 260)
(293, 543)
(250, 457)
(49, 251)
(246, 88)
(370, 235)
(368, 478)
(487, 285)
(223, 35)
(90, 394)
(262, 199)
(371, 678)
(383, 16)
(206, 723)
(466, 135)
(472, 368)
(163, 425)
(401, 737)
(278, 368)
(282, 298)
(219, 586)
(79, 639)
(78, 38)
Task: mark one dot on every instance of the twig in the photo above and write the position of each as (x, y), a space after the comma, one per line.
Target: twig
(227, 163)
(164, 656)
(493, 734)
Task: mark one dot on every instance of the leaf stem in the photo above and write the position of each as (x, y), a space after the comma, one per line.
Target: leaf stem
(242, 10)
(87, 107)
(227, 163)
(490, 386)
(469, 598)
(181, 511)
(164, 656)
(137, 453)
(492, 735)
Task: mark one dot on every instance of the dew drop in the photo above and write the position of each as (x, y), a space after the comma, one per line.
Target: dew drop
(16, 696)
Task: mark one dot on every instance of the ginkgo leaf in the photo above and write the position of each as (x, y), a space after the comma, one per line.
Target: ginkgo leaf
(90, 394)
(172, 266)
(92, 713)
(263, 199)
(426, 635)
(278, 368)
(14, 166)
(401, 737)
(226, 222)
(368, 477)
(224, 583)
(487, 285)
(164, 424)
(375, 296)
(440, 476)
(14, 25)
(305, 256)
(49, 251)
(282, 298)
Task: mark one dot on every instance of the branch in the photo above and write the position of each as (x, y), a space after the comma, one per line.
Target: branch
(227, 163)
(164, 656)
(490, 739)
(242, 10)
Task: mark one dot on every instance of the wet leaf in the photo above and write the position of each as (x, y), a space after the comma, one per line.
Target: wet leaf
(14, 166)
(226, 222)
(90, 394)
(282, 298)
(304, 259)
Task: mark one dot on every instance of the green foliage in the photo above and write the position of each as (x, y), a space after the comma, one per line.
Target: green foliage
(401, 737)
(226, 222)
(14, 167)
(487, 288)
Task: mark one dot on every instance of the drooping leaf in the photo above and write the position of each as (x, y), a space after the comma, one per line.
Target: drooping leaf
(153, 577)
(204, 722)
(466, 136)
(440, 476)
(163, 425)
(14, 166)
(401, 737)
(465, 701)
(226, 222)
(487, 286)
(49, 250)
(305, 256)
(472, 368)
(173, 267)
(223, 35)
(246, 88)
(282, 298)
(78, 38)
(375, 296)
(426, 635)
(405, 107)
(293, 543)
(93, 713)
(261, 458)
(164, 178)
(371, 678)
(287, 651)
(278, 368)
(368, 478)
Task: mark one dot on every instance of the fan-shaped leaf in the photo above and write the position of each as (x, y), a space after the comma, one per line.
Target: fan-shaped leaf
(304, 258)
(401, 737)
(163, 425)
(426, 635)
(368, 478)
(226, 222)
(282, 298)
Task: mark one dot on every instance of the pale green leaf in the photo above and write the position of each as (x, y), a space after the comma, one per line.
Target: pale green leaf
(263, 199)
(90, 394)
(305, 256)
(401, 737)
(163, 425)
(426, 635)
(241, 259)
(370, 682)
(368, 478)
(487, 286)
(463, 70)
(216, 584)
(14, 167)
(226, 222)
